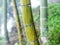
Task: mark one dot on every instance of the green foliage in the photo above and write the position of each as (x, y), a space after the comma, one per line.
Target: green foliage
(54, 24)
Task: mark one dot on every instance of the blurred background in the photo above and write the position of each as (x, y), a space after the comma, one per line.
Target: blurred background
(54, 20)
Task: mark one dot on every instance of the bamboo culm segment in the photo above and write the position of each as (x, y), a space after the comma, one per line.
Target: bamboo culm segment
(28, 23)
(44, 21)
(43, 17)
(5, 22)
(18, 23)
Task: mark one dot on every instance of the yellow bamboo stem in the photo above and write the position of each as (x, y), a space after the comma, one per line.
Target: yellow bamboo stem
(31, 34)
(18, 23)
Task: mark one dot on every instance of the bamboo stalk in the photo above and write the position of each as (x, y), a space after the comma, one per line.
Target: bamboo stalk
(18, 23)
(31, 34)
(43, 20)
(5, 22)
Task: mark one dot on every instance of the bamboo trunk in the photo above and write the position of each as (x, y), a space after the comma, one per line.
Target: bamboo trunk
(43, 20)
(31, 34)
(18, 23)
(5, 22)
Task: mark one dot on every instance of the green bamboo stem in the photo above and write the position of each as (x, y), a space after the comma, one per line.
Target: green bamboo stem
(18, 23)
(5, 22)
(31, 34)
(43, 19)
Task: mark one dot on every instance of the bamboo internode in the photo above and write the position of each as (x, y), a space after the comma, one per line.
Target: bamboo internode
(31, 34)
(5, 22)
(43, 17)
(18, 23)
(43, 20)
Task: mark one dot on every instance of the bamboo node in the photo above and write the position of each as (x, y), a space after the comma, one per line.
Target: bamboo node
(29, 25)
(26, 5)
(43, 7)
(42, 18)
